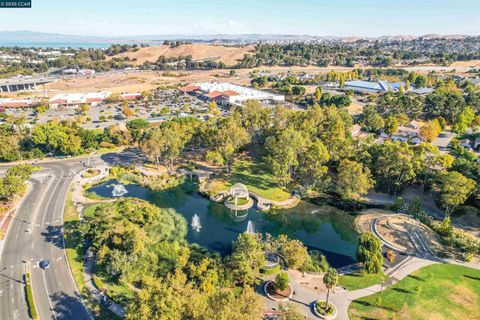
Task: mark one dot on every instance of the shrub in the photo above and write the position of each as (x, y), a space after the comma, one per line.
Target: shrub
(30, 301)
(281, 281)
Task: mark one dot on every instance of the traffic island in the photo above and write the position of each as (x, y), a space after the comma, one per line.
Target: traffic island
(29, 294)
(325, 313)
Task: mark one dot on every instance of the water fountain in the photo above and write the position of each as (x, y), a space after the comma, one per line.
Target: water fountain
(196, 225)
(250, 227)
(119, 190)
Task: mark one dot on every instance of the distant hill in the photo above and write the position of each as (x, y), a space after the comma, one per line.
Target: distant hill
(39, 39)
(229, 55)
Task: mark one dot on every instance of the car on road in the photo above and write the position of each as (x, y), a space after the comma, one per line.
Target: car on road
(45, 264)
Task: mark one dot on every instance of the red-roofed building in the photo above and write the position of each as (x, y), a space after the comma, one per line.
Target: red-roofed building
(12, 103)
(214, 94)
(130, 96)
(230, 93)
(189, 89)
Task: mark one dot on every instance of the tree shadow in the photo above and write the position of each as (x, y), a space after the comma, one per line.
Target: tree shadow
(53, 235)
(363, 303)
(471, 277)
(415, 277)
(401, 290)
(69, 307)
(129, 156)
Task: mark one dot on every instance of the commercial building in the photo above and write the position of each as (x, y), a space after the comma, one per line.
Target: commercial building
(17, 103)
(368, 87)
(228, 93)
(74, 99)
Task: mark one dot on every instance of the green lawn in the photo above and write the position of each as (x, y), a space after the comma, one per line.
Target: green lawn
(256, 176)
(359, 280)
(439, 291)
(73, 242)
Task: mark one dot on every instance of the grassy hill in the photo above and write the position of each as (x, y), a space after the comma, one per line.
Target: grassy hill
(218, 53)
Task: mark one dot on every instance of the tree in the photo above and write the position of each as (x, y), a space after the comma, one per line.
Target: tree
(318, 93)
(298, 90)
(444, 101)
(227, 138)
(430, 130)
(212, 107)
(290, 311)
(246, 259)
(164, 144)
(281, 281)
(428, 160)
(137, 128)
(370, 120)
(312, 163)
(391, 125)
(369, 252)
(83, 108)
(392, 164)
(463, 120)
(330, 279)
(128, 112)
(294, 252)
(353, 180)
(284, 149)
(454, 190)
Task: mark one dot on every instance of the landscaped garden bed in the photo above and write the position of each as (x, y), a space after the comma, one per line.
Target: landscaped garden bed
(280, 289)
(90, 173)
(325, 313)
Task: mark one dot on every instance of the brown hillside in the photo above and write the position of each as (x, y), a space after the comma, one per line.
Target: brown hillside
(227, 55)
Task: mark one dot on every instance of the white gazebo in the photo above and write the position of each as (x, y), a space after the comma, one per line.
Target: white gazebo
(239, 190)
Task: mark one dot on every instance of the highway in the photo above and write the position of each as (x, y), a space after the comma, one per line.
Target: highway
(36, 233)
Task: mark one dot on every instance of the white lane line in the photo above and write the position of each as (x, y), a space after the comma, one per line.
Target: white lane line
(48, 295)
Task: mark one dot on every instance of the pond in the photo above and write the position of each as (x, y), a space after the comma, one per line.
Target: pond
(326, 229)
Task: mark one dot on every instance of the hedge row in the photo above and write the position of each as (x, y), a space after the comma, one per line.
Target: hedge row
(30, 301)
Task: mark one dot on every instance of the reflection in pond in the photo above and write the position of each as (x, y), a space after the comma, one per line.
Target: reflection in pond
(326, 229)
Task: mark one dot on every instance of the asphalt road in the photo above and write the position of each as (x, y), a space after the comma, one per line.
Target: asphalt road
(41, 212)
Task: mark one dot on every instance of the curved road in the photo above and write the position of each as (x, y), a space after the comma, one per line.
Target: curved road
(36, 233)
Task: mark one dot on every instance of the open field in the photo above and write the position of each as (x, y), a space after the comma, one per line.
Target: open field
(226, 54)
(439, 291)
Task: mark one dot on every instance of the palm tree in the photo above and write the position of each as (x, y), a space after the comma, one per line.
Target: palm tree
(330, 279)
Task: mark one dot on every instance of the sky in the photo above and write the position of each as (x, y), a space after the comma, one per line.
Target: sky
(202, 17)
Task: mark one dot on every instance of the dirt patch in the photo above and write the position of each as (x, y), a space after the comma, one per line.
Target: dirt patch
(227, 54)
(463, 296)
(463, 64)
(308, 281)
(363, 220)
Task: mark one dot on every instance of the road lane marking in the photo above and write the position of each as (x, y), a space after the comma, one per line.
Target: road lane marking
(48, 295)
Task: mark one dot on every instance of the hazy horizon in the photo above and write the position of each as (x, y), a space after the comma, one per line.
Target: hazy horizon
(343, 18)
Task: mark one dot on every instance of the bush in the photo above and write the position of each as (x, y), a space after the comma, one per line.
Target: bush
(320, 308)
(30, 301)
(316, 263)
(281, 281)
